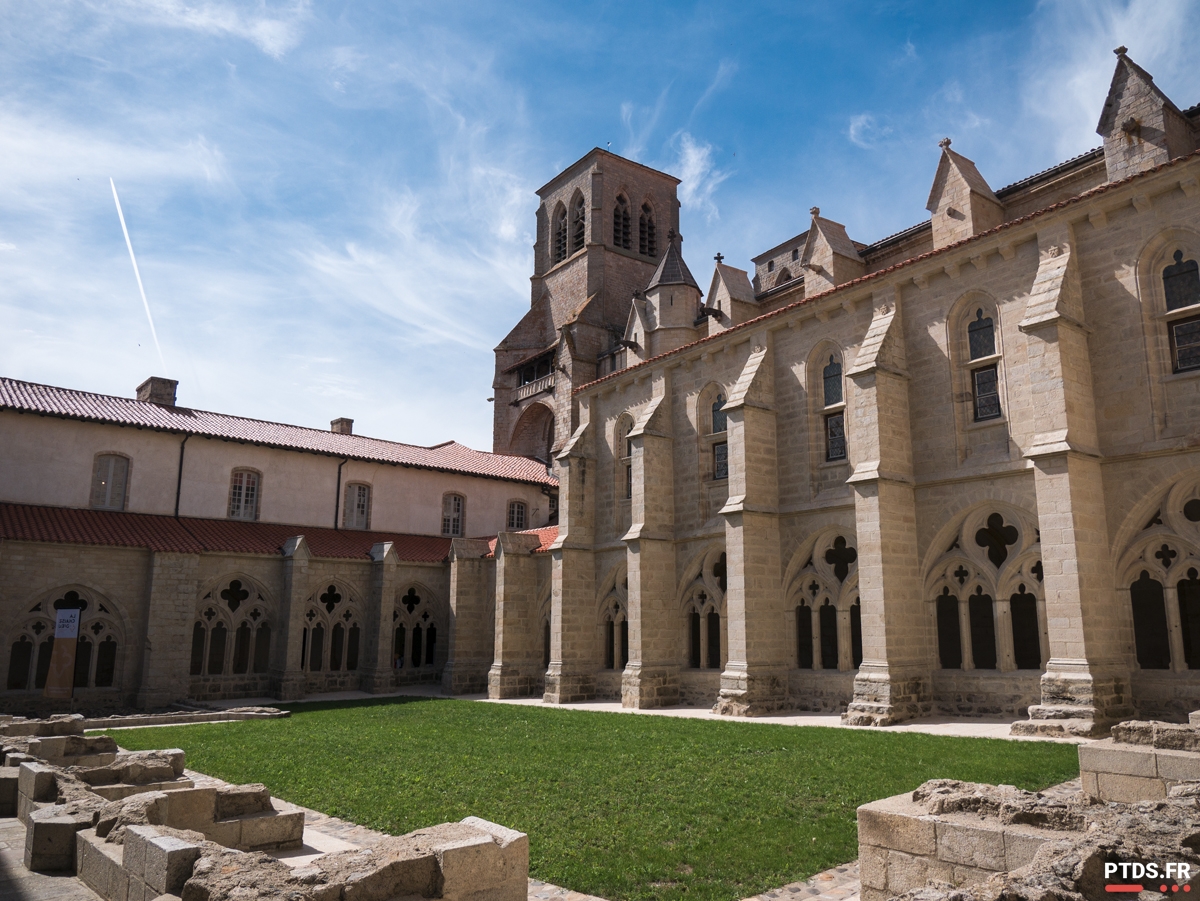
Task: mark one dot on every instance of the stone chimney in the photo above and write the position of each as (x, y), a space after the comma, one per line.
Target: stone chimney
(342, 426)
(158, 390)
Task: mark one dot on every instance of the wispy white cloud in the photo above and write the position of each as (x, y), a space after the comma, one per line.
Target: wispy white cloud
(699, 177)
(275, 28)
(640, 123)
(726, 69)
(865, 131)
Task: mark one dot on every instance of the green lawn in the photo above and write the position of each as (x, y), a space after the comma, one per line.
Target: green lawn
(625, 807)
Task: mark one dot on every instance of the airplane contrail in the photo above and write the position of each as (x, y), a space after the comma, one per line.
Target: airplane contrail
(138, 276)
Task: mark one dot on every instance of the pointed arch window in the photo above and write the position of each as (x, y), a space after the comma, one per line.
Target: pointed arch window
(985, 380)
(578, 223)
(559, 234)
(647, 236)
(622, 233)
(1150, 634)
(1181, 283)
(832, 381)
(720, 421)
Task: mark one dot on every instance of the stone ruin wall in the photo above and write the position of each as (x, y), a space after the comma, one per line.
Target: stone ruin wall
(135, 827)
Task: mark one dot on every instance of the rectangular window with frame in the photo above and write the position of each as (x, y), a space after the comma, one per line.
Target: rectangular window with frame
(452, 515)
(109, 478)
(721, 460)
(985, 384)
(835, 436)
(243, 495)
(1185, 344)
(357, 511)
(628, 481)
(516, 516)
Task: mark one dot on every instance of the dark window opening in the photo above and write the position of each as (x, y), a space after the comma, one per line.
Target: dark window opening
(241, 649)
(18, 664)
(316, 658)
(216, 650)
(721, 460)
(996, 537)
(1027, 643)
(832, 381)
(621, 230)
(1189, 618)
(610, 645)
(262, 649)
(981, 336)
(985, 385)
(398, 647)
(45, 649)
(337, 643)
(578, 224)
(770, 265)
(841, 557)
(856, 653)
(546, 644)
(83, 662)
(647, 236)
(829, 637)
(835, 437)
(106, 663)
(694, 639)
(430, 645)
(352, 639)
(1185, 344)
(949, 634)
(417, 642)
(1150, 623)
(197, 666)
(560, 234)
(624, 643)
(983, 630)
(804, 637)
(720, 421)
(720, 573)
(714, 640)
(1181, 282)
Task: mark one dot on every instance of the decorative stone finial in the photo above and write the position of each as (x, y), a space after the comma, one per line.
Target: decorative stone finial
(944, 143)
(1121, 51)
(815, 211)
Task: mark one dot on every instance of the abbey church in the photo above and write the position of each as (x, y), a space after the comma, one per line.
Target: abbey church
(955, 471)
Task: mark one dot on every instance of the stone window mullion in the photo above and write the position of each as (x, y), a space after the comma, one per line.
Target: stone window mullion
(964, 631)
(1174, 627)
(845, 655)
(1005, 652)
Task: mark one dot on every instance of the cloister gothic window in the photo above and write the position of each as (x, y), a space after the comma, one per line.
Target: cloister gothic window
(110, 482)
(331, 637)
(828, 614)
(415, 620)
(231, 634)
(1161, 568)
(988, 605)
(622, 233)
(615, 622)
(97, 651)
(706, 644)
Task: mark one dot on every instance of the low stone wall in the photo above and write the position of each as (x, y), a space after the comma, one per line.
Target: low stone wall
(985, 692)
(908, 840)
(820, 691)
(1142, 761)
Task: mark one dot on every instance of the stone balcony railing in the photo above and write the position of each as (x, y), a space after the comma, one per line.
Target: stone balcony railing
(537, 386)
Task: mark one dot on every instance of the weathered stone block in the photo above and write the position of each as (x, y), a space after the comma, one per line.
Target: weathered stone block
(873, 866)
(192, 808)
(169, 863)
(1020, 847)
(1129, 789)
(100, 865)
(272, 831)
(224, 832)
(239, 800)
(36, 781)
(136, 838)
(969, 845)
(1107, 757)
(905, 872)
(897, 823)
(9, 783)
(50, 839)
(1090, 786)
(1178, 766)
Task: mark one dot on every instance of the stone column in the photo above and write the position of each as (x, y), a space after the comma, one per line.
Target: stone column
(755, 680)
(472, 633)
(517, 658)
(894, 682)
(170, 614)
(1085, 687)
(964, 625)
(287, 673)
(573, 664)
(1174, 628)
(651, 678)
(377, 674)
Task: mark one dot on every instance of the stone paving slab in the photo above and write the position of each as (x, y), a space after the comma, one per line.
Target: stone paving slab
(835, 884)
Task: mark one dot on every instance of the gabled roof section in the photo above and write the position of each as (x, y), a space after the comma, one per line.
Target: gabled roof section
(1126, 71)
(187, 535)
(834, 236)
(965, 169)
(672, 270)
(736, 282)
(64, 403)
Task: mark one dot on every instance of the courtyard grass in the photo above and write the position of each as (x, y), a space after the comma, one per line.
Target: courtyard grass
(624, 807)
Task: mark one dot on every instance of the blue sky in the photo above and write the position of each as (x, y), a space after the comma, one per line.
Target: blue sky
(332, 203)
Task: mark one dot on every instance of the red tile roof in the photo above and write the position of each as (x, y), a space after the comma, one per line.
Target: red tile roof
(547, 535)
(187, 535)
(872, 276)
(46, 400)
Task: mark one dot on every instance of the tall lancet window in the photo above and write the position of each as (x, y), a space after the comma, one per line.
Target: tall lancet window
(622, 233)
(647, 238)
(985, 380)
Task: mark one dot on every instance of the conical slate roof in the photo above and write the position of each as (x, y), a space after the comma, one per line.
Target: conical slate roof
(672, 270)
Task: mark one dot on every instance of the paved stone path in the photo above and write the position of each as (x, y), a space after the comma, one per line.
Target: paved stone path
(18, 884)
(836, 884)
